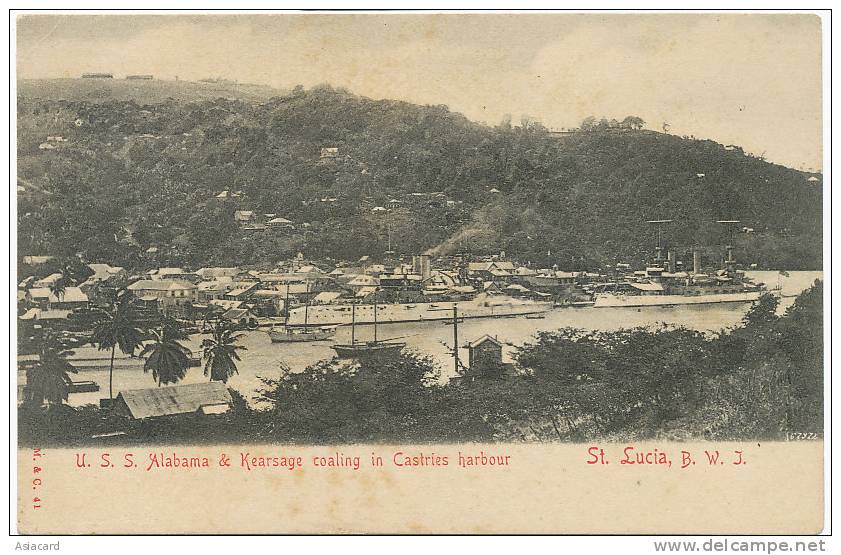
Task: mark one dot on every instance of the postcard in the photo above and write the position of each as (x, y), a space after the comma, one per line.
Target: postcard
(419, 273)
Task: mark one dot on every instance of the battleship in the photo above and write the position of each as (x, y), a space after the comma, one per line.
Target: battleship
(481, 306)
(663, 285)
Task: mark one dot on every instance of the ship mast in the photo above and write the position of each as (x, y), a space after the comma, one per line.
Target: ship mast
(729, 262)
(658, 258)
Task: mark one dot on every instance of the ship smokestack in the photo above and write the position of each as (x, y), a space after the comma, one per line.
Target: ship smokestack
(696, 262)
(421, 266)
(671, 264)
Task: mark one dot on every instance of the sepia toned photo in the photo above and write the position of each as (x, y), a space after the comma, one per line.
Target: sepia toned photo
(336, 260)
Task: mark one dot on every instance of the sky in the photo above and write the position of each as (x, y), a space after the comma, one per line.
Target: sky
(753, 80)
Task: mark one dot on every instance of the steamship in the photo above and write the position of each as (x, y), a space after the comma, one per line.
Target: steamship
(481, 306)
(663, 285)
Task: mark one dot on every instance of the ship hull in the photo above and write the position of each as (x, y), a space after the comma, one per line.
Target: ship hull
(362, 349)
(300, 336)
(622, 301)
(331, 315)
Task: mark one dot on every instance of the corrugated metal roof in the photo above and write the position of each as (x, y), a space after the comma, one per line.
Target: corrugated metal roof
(178, 399)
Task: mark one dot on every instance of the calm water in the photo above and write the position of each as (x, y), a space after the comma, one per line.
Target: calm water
(263, 358)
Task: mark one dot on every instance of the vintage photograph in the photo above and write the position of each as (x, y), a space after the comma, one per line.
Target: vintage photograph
(288, 229)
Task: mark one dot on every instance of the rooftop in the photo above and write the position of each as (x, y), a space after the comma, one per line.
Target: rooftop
(178, 399)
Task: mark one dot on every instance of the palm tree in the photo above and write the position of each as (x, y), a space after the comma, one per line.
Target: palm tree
(49, 379)
(117, 328)
(58, 288)
(167, 358)
(220, 352)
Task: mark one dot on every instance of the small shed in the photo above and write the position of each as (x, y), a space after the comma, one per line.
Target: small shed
(197, 398)
(484, 351)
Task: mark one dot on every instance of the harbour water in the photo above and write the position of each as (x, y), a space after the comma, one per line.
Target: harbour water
(265, 359)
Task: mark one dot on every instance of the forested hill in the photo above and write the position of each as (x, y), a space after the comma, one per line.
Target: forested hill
(152, 91)
(128, 177)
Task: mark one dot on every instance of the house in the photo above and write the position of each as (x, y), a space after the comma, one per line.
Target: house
(241, 291)
(400, 281)
(244, 216)
(52, 317)
(101, 274)
(492, 288)
(207, 291)
(36, 260)
(197, 399)
(71, 298)
(517, 290)
(493, 270)
(361, 282)
(524, 271)
(375, 269)
(217, 272)
(48, 281)
(329, 152)
(168, 293)
(240, 316)
(179, 274)
(279, 222)
(269, 301)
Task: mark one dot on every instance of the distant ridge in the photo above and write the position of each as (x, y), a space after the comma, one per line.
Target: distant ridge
(143, 91)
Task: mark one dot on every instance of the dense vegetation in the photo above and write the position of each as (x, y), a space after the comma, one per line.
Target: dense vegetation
(133, 176)
(757, 381)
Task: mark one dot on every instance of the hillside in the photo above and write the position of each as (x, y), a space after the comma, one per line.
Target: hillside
(143, 92)
(151, 174)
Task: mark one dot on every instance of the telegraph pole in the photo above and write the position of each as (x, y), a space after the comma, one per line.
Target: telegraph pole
(455, 338)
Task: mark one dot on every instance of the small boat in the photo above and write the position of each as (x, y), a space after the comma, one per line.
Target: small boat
(459, 321)
(535, 316)
(300, 335)
(356, 349)
(86, 386)
(303, 334)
